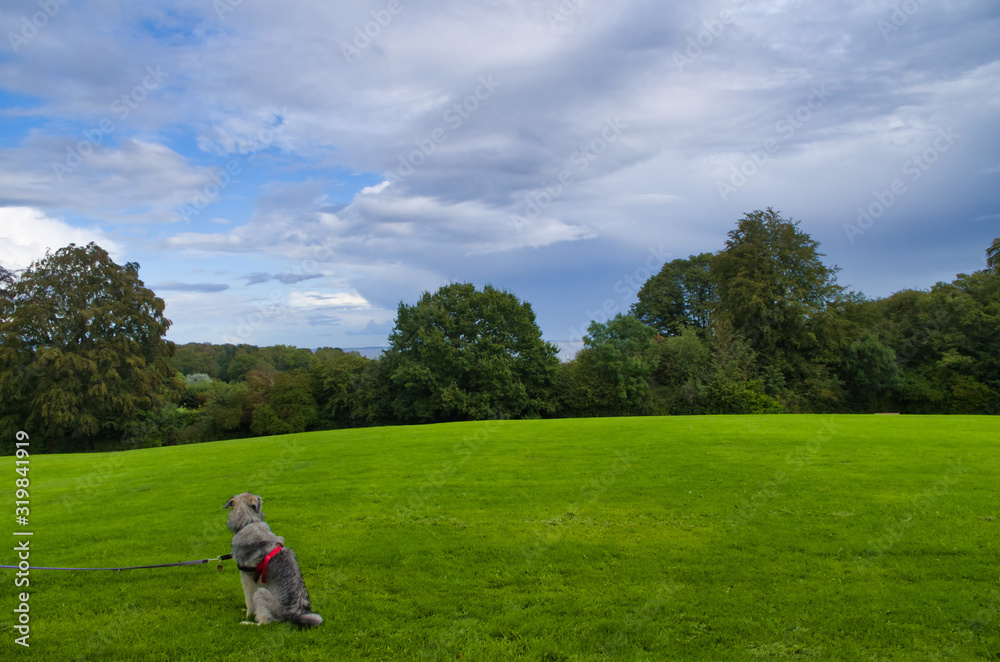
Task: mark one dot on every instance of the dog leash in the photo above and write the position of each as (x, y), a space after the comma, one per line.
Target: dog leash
(220, 559)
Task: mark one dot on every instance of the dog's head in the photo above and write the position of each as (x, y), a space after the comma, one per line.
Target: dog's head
(246, 509)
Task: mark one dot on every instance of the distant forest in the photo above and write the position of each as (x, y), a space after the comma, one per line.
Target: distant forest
(759, 327)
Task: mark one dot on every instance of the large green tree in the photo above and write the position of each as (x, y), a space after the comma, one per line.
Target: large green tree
(612, 377)
(82, 354)
(338, 377)
(993, 255)
(774, 287)
(464, 354)
(682, 295)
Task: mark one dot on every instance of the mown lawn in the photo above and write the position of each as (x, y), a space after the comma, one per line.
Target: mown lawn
(703, 538)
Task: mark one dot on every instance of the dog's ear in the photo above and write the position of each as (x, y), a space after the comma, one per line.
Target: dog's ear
(229, 504)
(257, 502)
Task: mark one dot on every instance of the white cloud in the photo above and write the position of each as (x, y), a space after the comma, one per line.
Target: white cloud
(228, 78)
(26, 233)
(378, 188)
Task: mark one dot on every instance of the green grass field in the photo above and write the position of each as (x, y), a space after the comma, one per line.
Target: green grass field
(703, 538)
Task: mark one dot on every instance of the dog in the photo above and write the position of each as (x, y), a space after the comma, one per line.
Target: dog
(272, 582)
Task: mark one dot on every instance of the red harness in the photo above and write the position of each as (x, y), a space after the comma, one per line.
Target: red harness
(260, 572)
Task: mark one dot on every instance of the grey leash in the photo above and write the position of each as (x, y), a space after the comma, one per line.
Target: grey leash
(220, 559)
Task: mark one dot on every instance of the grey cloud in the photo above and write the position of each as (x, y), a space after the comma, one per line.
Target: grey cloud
(254, 279)
(323, 320)
(286, 278)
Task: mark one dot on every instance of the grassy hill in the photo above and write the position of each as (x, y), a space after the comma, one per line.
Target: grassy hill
(707, 538)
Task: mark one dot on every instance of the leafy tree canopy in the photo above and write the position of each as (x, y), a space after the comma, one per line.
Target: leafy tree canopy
(620, 354)
(338, 378)
(464, 354)
(682, 295)
(82, 348)
(773, 285)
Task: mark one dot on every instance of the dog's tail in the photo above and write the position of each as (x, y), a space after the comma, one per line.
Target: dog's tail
(306, 620)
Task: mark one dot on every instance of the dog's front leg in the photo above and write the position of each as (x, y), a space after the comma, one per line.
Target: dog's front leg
(248, 588)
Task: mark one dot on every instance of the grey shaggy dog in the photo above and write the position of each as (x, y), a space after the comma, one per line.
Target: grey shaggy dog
(283, 597)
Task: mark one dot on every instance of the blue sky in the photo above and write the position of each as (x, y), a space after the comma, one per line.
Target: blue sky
(289, 174)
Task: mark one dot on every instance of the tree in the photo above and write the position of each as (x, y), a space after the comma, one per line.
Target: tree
(229, 409)
(993, 255)
(870, 372)
(462, 354)
(7, 280)
(682, 295)
(581, 390)
(373, 403)
(966, 344)
(684, 362)
(193, 358)
(285, 358)
(946, 344)
(731, 386)
(288, 407)
(245, 359)
(196, 389)
(713, 375)
(773, 286)
(82, 349)
(338, 377)
(618, 353)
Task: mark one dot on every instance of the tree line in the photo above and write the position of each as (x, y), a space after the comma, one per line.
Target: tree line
(760, 326)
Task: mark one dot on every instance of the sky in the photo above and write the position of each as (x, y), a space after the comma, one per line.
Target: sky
(289, 173)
